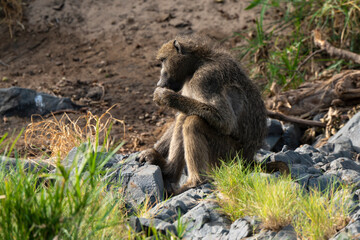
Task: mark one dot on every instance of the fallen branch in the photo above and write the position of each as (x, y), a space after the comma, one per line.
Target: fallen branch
(303, 122)
(333, 51)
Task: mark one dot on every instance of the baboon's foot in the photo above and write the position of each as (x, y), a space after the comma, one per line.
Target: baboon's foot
(188, 185)
(170, 188)
(151, 156)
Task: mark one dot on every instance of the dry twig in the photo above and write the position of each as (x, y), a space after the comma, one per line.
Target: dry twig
(303, 122)
(333, 51)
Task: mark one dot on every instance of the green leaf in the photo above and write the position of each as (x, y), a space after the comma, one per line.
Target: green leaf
(254, 4)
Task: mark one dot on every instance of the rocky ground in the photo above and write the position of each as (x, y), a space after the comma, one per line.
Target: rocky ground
(310, 167)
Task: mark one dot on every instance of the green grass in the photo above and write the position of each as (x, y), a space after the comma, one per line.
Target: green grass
(323, 213)
(279, 201)
(74, 202)
(279, 47)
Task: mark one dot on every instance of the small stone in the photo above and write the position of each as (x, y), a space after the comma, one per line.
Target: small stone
(291, 157)
(240, 229)
(275, 132)
(205, 222)
(135, 224)
(5, 79)
(101, 70)
(323, 182)
(351, 130)
(344, 163)
(158, 224)
(287, 233)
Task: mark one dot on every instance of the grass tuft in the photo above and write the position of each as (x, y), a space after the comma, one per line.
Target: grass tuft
(322, 214)
(71, 203)
(248, 192)
(58, 136)
(279, 201)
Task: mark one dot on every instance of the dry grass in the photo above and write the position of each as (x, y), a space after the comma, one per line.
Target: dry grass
(57, 137)
(12, 11)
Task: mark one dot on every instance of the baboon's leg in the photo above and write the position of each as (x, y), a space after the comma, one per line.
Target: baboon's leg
(176, 162)
(203, 147)
(197, 152)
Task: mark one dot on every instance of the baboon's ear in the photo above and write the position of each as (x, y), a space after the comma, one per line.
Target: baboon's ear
(177, 46)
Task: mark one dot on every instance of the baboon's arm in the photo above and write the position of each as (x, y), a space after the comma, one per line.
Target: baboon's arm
(190, 106)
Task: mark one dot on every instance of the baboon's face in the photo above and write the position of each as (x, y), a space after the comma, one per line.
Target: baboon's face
(175, 66)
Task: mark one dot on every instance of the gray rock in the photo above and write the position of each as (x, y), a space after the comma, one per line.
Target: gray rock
(79, 156)
(351, 131)
(314, 171)
(274, 134)
(354, 228)
(303, 180)
(280, 135)
(291, 157)
(287, 233)
(134, 223)
(307, 149)
(159, 225)
(344, 163)
(263, 235)
(297, 170)
(240, 229)
(139, 181)
(351, 231)
(262, 155)
(205, 222)
(343, 143)
(291, 136)
(314, 153)
(169, 210)
(29, 166)
(318, 157)
(349, 176)
(327, 148)
(323, 182)
(145, 182)
(343, 148)
(22, 102)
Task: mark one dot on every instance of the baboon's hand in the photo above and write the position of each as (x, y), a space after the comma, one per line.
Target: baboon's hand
(149, 155)
(161, 96)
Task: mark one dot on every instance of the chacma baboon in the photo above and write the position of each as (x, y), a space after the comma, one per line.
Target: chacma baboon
(219, 111)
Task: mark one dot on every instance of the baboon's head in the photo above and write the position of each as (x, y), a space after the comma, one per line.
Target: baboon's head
(178, 65)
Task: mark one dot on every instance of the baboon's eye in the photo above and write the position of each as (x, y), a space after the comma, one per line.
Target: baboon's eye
(162, 59)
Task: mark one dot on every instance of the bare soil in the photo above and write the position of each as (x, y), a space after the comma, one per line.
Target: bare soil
(101, 53)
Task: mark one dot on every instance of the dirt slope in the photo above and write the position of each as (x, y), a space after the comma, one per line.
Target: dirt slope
(101, 53)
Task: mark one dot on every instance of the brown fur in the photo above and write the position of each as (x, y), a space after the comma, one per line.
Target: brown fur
(220, 110)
